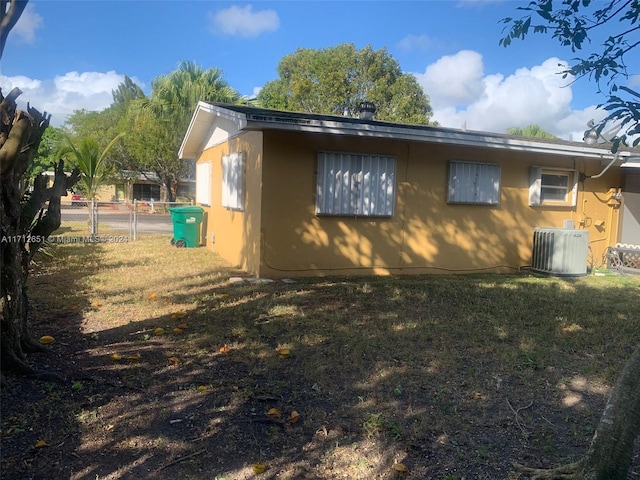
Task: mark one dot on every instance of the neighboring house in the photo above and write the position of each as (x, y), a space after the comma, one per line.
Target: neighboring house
(294, 194)
(147, 187)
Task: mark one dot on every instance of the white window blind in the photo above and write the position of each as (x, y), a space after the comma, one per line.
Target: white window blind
(203, 183)
(233, 181)
(552, 187)
(355, 184)
(473, 182)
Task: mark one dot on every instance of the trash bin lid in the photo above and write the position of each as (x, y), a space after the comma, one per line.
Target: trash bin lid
(187, 209)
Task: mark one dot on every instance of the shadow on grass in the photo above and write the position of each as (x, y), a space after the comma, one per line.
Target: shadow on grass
(451, 376)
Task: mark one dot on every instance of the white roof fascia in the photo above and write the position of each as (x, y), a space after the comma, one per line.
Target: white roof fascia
(630, 161)
(201, 127)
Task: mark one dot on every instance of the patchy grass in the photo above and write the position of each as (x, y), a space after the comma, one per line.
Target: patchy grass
(452, 376)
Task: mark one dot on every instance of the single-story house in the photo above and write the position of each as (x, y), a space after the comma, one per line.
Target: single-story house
(296, 194)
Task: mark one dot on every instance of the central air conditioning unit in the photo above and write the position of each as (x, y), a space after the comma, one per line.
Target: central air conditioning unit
(560, 251)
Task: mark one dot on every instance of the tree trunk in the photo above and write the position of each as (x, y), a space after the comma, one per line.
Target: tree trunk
(611, 451)
(25, 226)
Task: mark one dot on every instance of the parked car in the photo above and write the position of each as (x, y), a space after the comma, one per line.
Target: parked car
(78, 200)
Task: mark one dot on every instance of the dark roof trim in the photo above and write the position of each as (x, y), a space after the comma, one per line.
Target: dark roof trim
(252, 118)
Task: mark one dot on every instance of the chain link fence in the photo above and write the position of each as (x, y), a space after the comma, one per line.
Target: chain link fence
(128, 219)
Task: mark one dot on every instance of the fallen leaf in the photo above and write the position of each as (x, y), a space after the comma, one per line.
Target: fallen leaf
(224, 349)
(47, 339)
(177, 315)
(274, 413)
(174, 360)
(259, 467)
(401, 468)
(116, 357)
(41, 443)
(177, 330)
(74, 307)
(294, 417)
(152, 296)
(158, 331)
(283, 352)
(202, 388)
(95, 304)
(183, 325)
(134, 358)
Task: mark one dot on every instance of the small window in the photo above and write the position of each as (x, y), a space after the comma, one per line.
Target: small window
(355, 184)
(474, 183)
(146, 191)
(233, 181)
(203, 183)
(552, 187)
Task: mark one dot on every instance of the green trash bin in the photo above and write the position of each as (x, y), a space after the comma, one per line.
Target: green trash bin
(186, 226)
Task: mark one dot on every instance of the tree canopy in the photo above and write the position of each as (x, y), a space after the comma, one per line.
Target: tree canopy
(154, 125)
(533, 131)
(336, 80)
(578, 25)
(157, 124)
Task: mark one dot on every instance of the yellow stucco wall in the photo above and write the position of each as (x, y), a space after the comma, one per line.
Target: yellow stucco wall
(279, 235)
(425, 233)
(234, 234)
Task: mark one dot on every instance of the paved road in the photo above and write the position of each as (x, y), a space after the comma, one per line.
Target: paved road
(147, 223)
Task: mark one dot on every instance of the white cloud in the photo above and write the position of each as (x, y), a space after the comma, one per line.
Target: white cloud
(65, 93)
(463, 95)
(28, 23)
(244, 22)
(453, 80)
(415, 42)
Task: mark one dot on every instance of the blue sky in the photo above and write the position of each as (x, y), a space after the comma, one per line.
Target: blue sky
(67, 55)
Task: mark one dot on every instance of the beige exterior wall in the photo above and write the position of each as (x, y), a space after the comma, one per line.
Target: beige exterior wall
(234, 234)
(425, 234)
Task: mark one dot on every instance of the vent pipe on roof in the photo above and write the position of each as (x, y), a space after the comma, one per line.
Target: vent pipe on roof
(366, 109)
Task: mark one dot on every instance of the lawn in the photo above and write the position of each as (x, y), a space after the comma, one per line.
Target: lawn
(174, 372)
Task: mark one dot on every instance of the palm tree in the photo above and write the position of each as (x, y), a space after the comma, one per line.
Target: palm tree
(94, 169)
(166, 114)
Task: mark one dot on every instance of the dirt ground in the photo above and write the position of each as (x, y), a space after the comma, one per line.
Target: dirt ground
(207, 418)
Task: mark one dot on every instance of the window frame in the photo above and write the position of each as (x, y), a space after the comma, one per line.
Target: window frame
(203, 183)
(486, 194)
(233, 176)
(537, 187)
(361, 185)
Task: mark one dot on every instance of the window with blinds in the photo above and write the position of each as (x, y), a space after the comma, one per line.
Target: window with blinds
(474, 183)
(552, 187)
(355, 184)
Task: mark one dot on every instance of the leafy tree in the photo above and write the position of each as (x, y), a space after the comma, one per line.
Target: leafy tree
(573, 23)
(45, 158)
(532, 131)
(157, 124)
(336, 80)
(107, 124)
(94, 167)
(26, 220)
